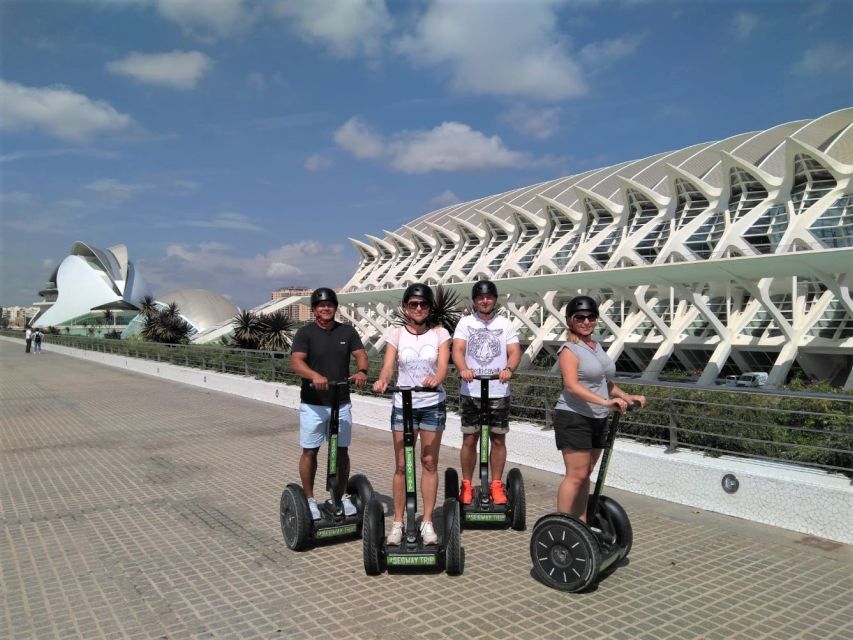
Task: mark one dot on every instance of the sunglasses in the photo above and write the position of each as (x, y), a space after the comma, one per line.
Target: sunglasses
(584, 318)
(418, 304)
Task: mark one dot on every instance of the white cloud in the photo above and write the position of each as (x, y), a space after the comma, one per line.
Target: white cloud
(445, 199)
(317, 162)
(176, 69)
(497, 48)
(451, 146)
(16, 197)
(824, 58)
(113, 191)
(226, 220)
(743, 24)
(347, 27)
(598, 55)
(215, 265)
(221, 17)
(57, 111)
(256, 81)
(539, 123)
(357, 138)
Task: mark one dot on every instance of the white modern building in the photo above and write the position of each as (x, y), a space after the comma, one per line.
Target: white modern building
(720, 258)
(199, 308)
(88, 278)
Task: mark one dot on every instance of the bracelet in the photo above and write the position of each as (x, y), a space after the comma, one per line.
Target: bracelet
(510, 369)
(364, 371)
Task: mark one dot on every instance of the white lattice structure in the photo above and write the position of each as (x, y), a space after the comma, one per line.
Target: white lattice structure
(722, 257)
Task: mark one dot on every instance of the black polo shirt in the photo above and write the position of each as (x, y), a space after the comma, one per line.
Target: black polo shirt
(328, 352)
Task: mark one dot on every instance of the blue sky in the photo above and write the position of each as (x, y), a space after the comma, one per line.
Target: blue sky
(235, 145)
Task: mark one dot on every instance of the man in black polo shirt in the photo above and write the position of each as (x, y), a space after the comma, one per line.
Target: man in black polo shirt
(321, 352)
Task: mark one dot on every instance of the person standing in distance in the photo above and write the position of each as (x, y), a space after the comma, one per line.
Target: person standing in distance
(485, 344)
(589, 395)
(322, 352)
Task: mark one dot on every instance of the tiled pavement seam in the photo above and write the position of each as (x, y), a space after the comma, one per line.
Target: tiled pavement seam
(135, 508)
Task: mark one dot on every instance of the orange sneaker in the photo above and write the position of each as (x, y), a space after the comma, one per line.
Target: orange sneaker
(466, 494)
(497, 489)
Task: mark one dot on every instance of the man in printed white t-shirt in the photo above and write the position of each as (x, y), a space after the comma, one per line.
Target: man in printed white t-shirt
(484, 344)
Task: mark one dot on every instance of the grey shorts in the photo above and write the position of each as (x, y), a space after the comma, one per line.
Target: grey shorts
(498, 414)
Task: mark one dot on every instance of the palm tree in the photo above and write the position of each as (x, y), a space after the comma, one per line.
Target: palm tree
(109, 317)
(147, 306)
(247, 330)
(165, 325)
(277, 331)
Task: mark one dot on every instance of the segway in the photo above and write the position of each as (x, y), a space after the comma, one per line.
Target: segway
(411, 553)
(299, 529)
(483, 511)
(571, 555)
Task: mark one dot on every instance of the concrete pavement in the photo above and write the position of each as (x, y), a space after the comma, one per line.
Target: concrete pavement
(137, 508)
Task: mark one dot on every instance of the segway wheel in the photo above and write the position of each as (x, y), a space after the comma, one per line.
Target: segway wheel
(451, 483)
(517, 501)
(564, 552)
(295, 516)
(373, 534)
(614, 522)
(360, 490)
(454, 554)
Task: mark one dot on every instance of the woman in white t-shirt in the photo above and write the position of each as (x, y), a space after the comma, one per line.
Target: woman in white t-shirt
(420, 352)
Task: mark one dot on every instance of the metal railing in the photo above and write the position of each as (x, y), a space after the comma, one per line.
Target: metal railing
(814, 430)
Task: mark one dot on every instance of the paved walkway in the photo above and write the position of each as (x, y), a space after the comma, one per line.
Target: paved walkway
(136, 508)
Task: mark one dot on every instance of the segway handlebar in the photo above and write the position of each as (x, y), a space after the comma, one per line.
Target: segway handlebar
(396, 389)
(494, 376)
(337, 383)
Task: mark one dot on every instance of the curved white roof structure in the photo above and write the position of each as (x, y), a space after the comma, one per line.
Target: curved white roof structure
(201, 309)
(89, 277)
(722, 257)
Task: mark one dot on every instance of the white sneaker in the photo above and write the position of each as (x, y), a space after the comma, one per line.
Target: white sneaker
(428, 534)
(349, 507)
(314, 509)
(396, 535)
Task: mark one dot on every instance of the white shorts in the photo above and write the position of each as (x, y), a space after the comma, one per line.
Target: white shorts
(314, 425)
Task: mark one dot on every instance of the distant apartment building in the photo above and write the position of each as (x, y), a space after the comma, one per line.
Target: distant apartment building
(298, 312)
(18, 316)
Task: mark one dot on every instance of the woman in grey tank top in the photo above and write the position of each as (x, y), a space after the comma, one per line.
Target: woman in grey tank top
(588, 397)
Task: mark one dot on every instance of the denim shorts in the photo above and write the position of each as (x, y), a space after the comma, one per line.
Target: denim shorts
(425, 418)
(314, 425)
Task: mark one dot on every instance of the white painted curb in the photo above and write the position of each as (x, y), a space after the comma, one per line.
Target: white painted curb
(808, 501)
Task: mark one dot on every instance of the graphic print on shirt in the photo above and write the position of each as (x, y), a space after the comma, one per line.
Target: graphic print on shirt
(484, 345)
(418, 363)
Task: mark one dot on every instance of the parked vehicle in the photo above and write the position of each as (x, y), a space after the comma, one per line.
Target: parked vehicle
(731, 381)
(752, 379)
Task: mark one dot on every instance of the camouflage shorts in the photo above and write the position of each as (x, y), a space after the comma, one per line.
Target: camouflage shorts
(498, 414)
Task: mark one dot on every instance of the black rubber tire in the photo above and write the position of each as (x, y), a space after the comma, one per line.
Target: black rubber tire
(613, 521)
(451, 483)
(295, 517)
(373, 536)
(454, 554)
(360, 490)
(517, 500)
(564, 553)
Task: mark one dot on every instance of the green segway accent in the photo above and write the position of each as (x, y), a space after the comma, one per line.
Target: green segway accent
(484, 449)
(334, 532)
(485, 517)
(333, 452)
(410, 468)
(410, 560)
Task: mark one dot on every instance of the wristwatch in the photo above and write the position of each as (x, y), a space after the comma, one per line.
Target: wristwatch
(510, 369)
(364, 371)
